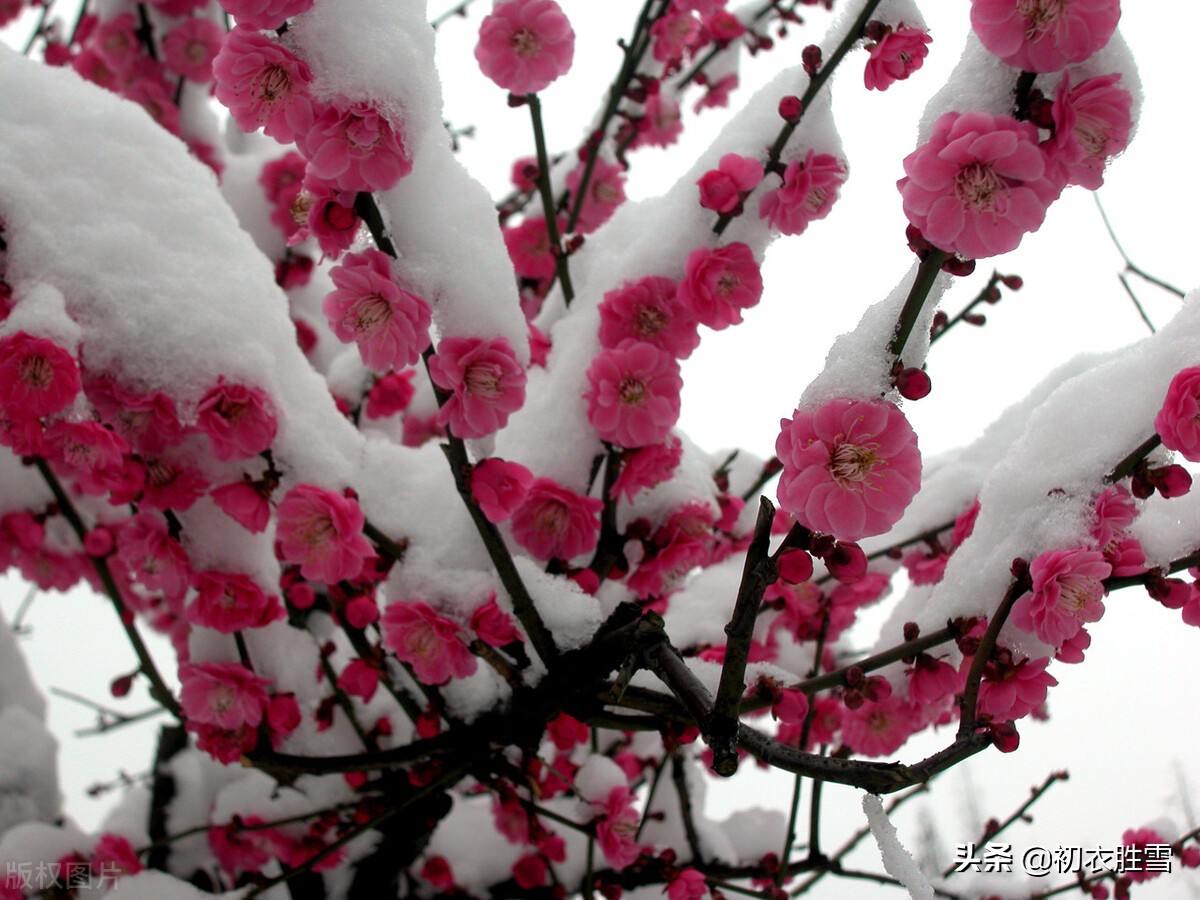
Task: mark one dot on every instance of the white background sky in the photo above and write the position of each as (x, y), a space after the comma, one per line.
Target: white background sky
(1124, 722)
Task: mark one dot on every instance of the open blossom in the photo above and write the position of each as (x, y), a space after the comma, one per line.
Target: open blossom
(230, 601)
(808, 193)
(880, 729)
(494, 626)
(719, 283)
(556, 523)
(389, 324)
(245, 503)
(616, 827)
(1092, 122)
(499, 487)
(485, 382)
(427, 641)
(37, 377)
(646, 467)
(238, 420)
(190, 47)
(647, 310)
(895, 56)
(263, 85)
(1044, 35)
(524, 45)
(1067, 593)
(850, 467)
(722, 188)
(661, 122)
(354, 145)
(226, 695)
(688, 885)
(266, 15)
(322, 533)
(633, 394)
(528, 246)
(605, 192)
(673, 34)
(1178, 422)
(148, 554)
(979, 185)
(1012, 688)
(148, 422)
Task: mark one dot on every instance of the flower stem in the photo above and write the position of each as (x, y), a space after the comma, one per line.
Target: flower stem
(561, 267)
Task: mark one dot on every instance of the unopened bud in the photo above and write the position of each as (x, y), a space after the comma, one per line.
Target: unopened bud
(811, 59)
(913, 384)
(790, 109)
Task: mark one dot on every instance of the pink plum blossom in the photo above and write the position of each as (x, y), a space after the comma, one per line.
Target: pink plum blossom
(389, 324)
(605, 192)
(263, 85)
(633, 394)
(1140, 838)
(528, 246)
(722, 188)
(238, 419)
(978, 185)
(427, 641)
(225, 695)
(556, 523)
(230, 601)
(673, 34)
(895, 56)
(1012, 687)
(148, 422)
(391, 394)
(1067, 592)
(485, 382)
(114, 856)
(850, 467)
(524, 45)
(1044, 35)
(688, 885)
(879, 729)
(616, 827)
(266, 15)
(1092, 123)
(647, 310)
(37, 377)
(356, 146)
(808, 193)
(646, 467)
(190, 47)
(245, 503)
(89, 450)
(660, 124)
(719, 283)
(494, 626)
(1178, 421)
(148, 553)
(499, 487)
(322, 533)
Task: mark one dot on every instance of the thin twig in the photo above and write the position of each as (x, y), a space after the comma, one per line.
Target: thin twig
(1129, 265)
(561, 264)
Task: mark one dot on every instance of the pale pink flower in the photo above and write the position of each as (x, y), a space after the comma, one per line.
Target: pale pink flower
(1178, 421)
(265, 15)
(245, 503)
(646, 467)
(673, 34)
(390, 395)
(230, 601)
(978, 185)
(524, 45)
(322, 533)
(660, 124)
(225, 695)
(850, 467)
(485, 382)
(263, 85)
(239, 420)
(647, 310)
(633, 394)
(1011, 688)
(389, 324)
(1044, 35)
(328, 215)
(688, 885)
(895, 56)
(808, 193)
(494, 626)
(427, 641)
(1068, 589)
(879, 729)
(1092, 122)
(616, 827)
(499, 487)
(606, 191)
(528, 246)
(719, 283)
(723, 188)
(190, 47)
(356, 146)
(556, 523)
(37, 377)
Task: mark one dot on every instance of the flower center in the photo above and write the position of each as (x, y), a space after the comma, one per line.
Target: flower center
(525, 43)
(36, 372)
(368, 315)
(851, 465)
(1092, 136)
(552, 519)
(363, 132)
(632, 390)
(1078, 592)
(483, 379)
(1040, 15)
(649, 321)
(815, 199)
(316, 531)
(978, 186)
(274, 83)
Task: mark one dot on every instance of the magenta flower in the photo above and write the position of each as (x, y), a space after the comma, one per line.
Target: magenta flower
(528, 246)
(850, 468)
(1012, 688)
(673, 34)
(494, 626)
(606, 191)
(229, 602)
(389, 324)
(646, 467)
(485, 382)
(265, 15)
(37, 377)
(1092, 122)
(633, 394)
(616, 827)
(718, 284)
(356, 147)
(190, 47)
(243, 502)
(148, 554)
(427, 641)
(148, 422)
(722, 188)
(647, 310)
(555, 523)
(226, 695)
(238, 420)
(1044, 35)
(321, 532)
(1140, 838)
(1178, 422)
(688, 885)
(660, 124)
(391, 394)
(524, 45)
(499, 487)
(1067, 592)
(880, 729)
(808, 193)
(895, 56)
(978, 185)
(263, 85)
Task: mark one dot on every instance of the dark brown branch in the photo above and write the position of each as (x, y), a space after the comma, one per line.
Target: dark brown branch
(927, 273)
